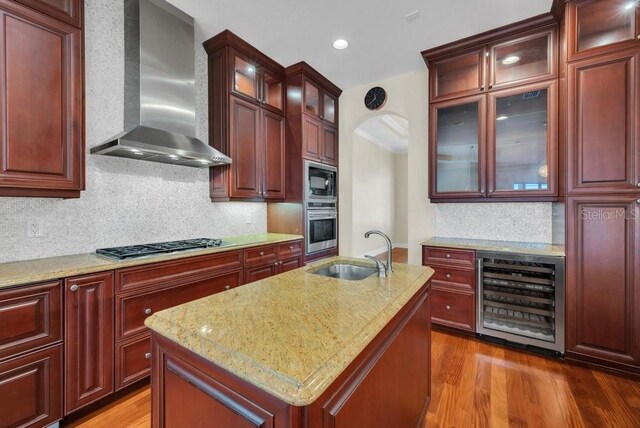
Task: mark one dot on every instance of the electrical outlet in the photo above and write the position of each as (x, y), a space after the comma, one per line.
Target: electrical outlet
(35, 229)
(247, 219)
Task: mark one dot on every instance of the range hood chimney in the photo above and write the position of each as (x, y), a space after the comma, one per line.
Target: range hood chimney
(159, 108)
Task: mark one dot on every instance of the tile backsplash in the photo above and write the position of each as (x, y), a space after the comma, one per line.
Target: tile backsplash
(528, 222)
(125, 201)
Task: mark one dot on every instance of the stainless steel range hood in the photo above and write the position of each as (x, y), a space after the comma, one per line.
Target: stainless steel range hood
(159, 110)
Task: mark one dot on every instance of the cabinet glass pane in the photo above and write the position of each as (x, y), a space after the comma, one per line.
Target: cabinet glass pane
(460, 74)
(457, 149)
(605, 22)
(272, 90)
(329, 107)
(245, 78)
(522, 60)
(311, 99)
(521, 141)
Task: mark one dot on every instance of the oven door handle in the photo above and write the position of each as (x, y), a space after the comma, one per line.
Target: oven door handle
(322, 215)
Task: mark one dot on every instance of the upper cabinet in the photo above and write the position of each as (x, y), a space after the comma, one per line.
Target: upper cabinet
(319, 102)
(601, 26)
(509, 61)
(493, 129)
(69, 11)
(41, 107)
(247, 123)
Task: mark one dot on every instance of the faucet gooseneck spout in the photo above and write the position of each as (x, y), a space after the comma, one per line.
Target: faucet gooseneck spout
(389, 266)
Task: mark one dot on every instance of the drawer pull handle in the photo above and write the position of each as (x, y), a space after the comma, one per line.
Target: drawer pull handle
(227, 287)
(448, 276)
(448, 307)
(275, 264)
(147, 311)
(74, 287)
(448, 255)
(261, 253)
(291, 246)
(147, 355)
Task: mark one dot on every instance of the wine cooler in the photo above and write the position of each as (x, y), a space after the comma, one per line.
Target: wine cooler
(521, 299)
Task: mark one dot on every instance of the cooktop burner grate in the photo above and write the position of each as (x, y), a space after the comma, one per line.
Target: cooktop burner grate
(134, 251)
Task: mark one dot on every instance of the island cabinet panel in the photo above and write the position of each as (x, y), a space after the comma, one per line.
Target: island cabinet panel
(41, 103)
(31, 389)
(89, 339)
(30, 317)
(387, 385)
(603, 124)
(603, 280)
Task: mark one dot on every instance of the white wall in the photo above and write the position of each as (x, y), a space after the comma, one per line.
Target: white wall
(401, 226)
(126, 201)
(407, 97)
(373, 197)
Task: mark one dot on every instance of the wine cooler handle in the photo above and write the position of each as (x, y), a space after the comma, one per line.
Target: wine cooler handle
(479, 293)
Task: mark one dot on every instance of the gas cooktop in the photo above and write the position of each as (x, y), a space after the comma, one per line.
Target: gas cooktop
(135, 251)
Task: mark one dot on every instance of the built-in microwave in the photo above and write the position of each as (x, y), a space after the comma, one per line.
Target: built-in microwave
(321, 181)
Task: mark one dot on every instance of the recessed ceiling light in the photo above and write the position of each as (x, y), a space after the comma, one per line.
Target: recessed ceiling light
(511, 60)
(503, 117)
(630, 5)
(340, 44)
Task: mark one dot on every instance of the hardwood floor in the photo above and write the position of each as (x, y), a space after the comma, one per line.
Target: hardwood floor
(398, 255)
(477, 384)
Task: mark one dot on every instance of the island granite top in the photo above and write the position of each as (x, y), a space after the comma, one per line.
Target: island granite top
(292, 334)
(37, 270)
(499, 246)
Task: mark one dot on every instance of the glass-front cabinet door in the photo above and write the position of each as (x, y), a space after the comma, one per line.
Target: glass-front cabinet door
(457, 148)
(523, 60)
(329, 108)
(311, 98)
(594, 24)
(522, 141)
(458, 76)
(272, 89)
(245, 76)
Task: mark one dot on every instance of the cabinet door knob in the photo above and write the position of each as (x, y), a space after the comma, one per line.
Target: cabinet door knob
(448, 276)
(291, 247)
(448, 307)
(638, 184)
(148, 311)
(448, 255)
(74, 287)
(261, 253)
(147, 355)
(638, 201)
(227, 287)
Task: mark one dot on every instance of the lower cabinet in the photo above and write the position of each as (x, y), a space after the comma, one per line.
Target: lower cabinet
(132, 360)
(89, 339)
(603, 281)
(31, 389)
(269, 260)
(453, 287)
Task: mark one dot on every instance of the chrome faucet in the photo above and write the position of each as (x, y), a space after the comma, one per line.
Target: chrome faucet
(389, 265)
(382, 269)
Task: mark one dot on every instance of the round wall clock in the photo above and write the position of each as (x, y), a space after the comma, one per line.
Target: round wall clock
(375, 98)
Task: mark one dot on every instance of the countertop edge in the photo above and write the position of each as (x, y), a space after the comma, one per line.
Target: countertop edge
(517, 247)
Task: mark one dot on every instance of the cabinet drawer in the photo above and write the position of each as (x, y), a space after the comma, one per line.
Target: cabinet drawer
(453, 308)
(289, 250)
(132, 310)
(167, 274)
(448, 277)
(133, 360)
(260, 256)
(448, 256)
(31, 389)
(30, 317)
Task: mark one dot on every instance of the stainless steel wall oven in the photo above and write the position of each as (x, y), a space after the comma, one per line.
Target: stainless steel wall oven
(521, 299)
(322, 226)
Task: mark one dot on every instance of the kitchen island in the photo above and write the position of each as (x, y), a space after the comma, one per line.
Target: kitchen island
(297, 349)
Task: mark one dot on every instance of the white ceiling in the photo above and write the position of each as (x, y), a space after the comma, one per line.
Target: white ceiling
(388, 131)
(382, 42)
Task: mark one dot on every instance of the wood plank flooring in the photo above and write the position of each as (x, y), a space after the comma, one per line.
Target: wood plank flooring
(398, 255)
(476, 384)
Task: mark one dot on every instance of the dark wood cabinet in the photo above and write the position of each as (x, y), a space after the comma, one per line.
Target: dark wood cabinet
(603, 280)
(69, 11)
(493, 128)
(601, 26)
(453, 287)
(246, 100)
(264, 262)
(603, 124)
(88, 340)
(41, 108)
(31, 389)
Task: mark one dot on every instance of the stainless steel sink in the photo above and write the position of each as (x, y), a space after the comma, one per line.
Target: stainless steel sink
(346, 271)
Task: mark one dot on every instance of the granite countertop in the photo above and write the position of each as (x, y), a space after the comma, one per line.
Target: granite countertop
(30, 271)
(500, 246)
(292, 334)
